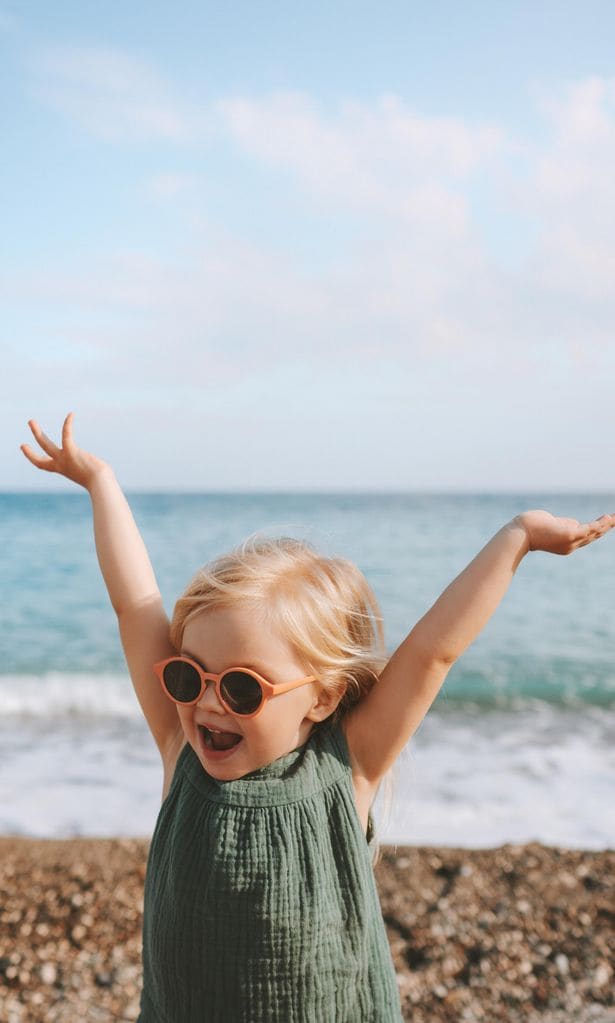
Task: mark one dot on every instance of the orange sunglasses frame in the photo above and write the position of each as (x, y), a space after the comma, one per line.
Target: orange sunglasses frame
(268, 689)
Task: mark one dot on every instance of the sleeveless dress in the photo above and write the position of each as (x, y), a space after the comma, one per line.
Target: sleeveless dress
(260, 899)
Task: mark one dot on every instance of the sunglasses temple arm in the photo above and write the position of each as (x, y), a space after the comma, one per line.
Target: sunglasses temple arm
(285, 687)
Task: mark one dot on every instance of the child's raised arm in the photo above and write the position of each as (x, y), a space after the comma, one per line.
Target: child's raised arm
(378, 728)
(127, 571)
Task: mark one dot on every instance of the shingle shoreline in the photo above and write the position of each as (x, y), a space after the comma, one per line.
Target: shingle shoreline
(520, 933)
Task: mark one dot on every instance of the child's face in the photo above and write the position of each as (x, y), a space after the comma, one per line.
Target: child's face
(235, 637)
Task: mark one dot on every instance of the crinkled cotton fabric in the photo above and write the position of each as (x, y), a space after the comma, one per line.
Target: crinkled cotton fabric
(260, 899)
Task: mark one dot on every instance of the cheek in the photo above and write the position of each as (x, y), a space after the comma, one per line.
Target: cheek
(283, 715)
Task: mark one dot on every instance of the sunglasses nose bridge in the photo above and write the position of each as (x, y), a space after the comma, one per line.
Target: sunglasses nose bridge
(209, 685)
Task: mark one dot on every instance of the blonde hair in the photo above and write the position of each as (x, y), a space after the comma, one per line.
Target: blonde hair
(323, 607)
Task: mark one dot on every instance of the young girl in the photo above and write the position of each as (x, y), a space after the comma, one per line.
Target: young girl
(260, 901)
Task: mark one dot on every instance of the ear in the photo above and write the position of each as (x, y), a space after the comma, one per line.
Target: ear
(324, 704)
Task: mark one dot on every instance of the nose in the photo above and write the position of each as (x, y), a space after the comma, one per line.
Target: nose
(209, 698)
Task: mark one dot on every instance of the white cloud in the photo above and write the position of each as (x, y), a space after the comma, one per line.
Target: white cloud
(112, 94)
(170, 184)
(573, 170)
(464, 341)
(423, 284)
(569, 189)
(573, 263)
(383, 157)
(580, 115)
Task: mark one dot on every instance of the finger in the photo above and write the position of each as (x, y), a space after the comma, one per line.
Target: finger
(604, 522)
(597, 528)
(592, 530)
(45, 442)
(40, 463)
(67, 431)
(601, 525)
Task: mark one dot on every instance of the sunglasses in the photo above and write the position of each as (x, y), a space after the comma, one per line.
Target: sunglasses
(241, 691)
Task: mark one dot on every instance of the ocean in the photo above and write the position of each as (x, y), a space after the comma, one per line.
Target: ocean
(519, 746)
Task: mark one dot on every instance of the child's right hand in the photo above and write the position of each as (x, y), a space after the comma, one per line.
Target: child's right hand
(77, 465)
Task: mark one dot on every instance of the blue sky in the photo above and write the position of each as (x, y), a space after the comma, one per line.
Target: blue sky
(326, 246)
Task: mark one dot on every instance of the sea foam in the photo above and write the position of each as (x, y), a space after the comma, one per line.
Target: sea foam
(63, 695)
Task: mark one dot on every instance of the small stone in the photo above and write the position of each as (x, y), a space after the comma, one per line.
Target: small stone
(103, 978)
(602, 974)
(562, 963)
(48, 973)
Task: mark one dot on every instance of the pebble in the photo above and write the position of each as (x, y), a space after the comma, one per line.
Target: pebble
(563, 964)
(48, 973)
(533, 939)
(522, 934)
(602, 975)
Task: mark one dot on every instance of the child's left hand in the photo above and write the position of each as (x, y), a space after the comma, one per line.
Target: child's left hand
(546, 532)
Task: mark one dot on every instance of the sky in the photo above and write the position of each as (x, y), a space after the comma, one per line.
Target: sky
(326, 246)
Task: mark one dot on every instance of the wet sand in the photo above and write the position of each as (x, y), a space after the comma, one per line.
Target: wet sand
(520, 933)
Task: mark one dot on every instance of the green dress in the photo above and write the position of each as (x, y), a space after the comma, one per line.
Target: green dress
(260, 899)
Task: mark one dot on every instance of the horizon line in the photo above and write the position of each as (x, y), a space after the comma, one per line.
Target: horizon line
(320, 492)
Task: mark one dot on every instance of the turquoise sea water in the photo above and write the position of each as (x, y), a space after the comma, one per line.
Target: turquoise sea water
(520, 736)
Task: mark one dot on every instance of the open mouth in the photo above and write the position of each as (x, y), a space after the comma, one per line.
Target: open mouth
(218, 741)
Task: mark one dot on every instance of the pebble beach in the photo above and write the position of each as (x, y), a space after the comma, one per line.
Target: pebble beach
(522, 933)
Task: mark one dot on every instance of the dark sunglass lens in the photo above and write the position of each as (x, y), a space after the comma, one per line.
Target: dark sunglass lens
(182, 681)
(242, 693)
